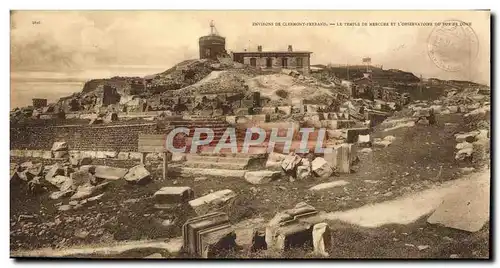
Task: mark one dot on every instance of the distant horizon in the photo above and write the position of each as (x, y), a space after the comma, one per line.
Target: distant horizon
(64, 41)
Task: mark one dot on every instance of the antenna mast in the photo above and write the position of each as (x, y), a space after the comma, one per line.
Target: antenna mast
(213, 30)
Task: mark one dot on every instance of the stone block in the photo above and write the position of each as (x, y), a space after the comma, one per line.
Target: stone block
(137, 174)
(290, 162)
(100, 155)
(285, 109)
(353, 133)
(211, 202)
(37, 153)
(467, 208)
(110, 154)
(291, 228)
(328, 185)
(59, 146)
(304, 172)
(268, 110)
(81, 177)
(208, 235)
(178, 157)
(173, 195)
(90, 154)
(321, 168)
(322, 239)
(262, 176)
(123, 156)
(135, 155)
(60, 154)
(47, 155)
(107, 172)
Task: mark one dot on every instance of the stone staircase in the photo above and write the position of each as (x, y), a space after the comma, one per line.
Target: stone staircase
(207, 163)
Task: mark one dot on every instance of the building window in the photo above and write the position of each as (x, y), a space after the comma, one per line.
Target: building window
(207, 52)
(269, 63)
(299, 63)
(253, 62)
(284, 62)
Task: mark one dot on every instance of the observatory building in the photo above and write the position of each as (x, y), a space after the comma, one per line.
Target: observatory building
(275, 60)
(212, 45)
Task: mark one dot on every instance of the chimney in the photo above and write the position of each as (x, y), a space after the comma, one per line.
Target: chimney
(259, 48)
(290, 49)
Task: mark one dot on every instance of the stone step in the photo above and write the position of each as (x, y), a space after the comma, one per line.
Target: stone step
(218, 165)
(217, 159)
(193, 172)
(253, 150)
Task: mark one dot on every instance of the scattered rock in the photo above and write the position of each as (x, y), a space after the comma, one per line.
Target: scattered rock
(388, 194)
(59, 146)
(82, 177)
(464, 154)
(328, 185)
(290, 162)
(454, 256)
(81, 234)
(321, 168)
(93, 198)
(211, 202)
(173, 195)
(261, 177)
(106, 172)
(321, 236)
(304, 172)
(390, 138)
(200, 178)
(167, 223)
(381, 143)
(366, 150)
(138, 174)
(423, 247)
(154, 256)
(60, 194)
(464, 145)
(64, 208)
(258, 241)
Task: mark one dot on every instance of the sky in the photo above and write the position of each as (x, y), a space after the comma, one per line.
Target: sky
(68, 41)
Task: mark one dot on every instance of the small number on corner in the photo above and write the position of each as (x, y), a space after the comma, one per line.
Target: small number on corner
(35, 22)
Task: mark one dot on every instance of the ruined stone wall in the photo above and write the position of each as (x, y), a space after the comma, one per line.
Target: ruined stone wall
(118, 138)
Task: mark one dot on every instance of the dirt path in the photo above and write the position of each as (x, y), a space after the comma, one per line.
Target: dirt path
(406, 210)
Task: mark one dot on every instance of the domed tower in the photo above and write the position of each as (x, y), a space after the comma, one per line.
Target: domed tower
(212, 45)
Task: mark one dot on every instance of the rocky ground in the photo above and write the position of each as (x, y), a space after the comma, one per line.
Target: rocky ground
(420, 157)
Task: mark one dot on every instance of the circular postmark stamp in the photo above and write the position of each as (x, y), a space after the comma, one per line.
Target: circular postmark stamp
(453, 45)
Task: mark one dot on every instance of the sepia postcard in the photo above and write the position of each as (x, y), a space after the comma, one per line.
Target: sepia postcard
(238, 134)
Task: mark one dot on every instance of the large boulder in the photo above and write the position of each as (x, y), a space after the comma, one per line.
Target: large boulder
(137, 174)
(261, 177)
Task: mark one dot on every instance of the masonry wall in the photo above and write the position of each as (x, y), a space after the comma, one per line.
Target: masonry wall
(118, 138)
(261, 62)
